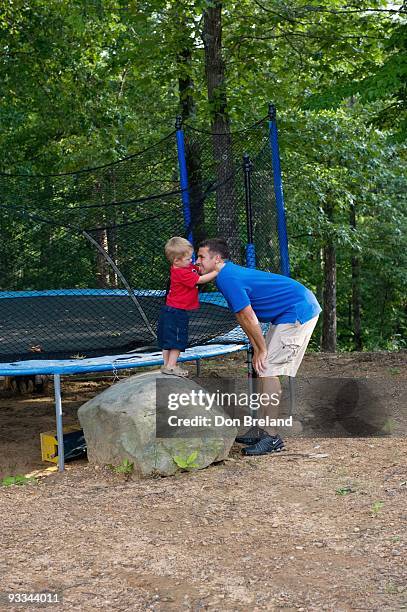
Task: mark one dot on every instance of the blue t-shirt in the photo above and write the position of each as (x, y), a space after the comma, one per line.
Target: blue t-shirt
(273, 297)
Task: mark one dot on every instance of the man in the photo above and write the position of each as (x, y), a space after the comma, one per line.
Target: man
(290, 308)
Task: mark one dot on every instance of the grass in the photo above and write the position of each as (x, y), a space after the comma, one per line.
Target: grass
(391, 588)
(19, 479)
(345, 490)
(376, 507)
(394, 371)
(389, 426)
(126, 467)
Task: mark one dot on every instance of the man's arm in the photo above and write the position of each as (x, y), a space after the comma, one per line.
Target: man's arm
(250, 324)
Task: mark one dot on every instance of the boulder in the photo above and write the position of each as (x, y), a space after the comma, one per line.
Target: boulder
(120, 423)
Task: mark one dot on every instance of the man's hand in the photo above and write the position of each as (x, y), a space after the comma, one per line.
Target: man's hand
(259, 361)
(248, 321)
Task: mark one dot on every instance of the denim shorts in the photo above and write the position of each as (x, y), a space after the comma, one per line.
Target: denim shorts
(172, 329)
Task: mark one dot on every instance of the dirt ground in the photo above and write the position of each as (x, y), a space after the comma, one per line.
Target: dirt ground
(321, 526)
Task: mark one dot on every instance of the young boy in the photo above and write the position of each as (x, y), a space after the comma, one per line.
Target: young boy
(182, 297)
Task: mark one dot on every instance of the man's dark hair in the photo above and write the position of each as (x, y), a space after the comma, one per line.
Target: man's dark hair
(217, 246)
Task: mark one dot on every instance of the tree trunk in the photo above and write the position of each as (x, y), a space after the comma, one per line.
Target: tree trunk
(329, 301)
(111, 233)
(320, 286)
(101, 237)
(185, 83)
(102, 266)
(356, 297)
(226, 201)
(192, 148)
(356, 304)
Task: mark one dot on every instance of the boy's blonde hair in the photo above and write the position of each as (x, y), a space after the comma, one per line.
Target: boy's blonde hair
(177, 247)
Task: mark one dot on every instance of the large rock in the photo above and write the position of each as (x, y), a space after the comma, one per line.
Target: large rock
(120, 423)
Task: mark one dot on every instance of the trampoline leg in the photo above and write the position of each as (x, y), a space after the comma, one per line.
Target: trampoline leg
(250, 376)
(58, 416)
(291, 384)
(198, 367)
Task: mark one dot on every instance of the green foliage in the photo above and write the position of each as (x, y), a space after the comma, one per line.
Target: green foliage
(126, 467)
(395, 371)
(333, 160)
(186, 462)
(342, 491)
(86, 83)
(376, 507)
(383, 77)
(389, 426)
(19, 480)
(391, 588)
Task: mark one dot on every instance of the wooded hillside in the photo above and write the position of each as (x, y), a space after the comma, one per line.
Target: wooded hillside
(88, 83)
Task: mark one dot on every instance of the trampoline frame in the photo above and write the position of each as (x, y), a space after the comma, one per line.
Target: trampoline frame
(114, 363)
(110, 363)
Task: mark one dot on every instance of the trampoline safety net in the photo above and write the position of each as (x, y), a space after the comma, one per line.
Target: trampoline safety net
(82, 265)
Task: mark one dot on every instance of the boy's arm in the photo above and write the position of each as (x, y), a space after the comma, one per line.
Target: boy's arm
(207, 278)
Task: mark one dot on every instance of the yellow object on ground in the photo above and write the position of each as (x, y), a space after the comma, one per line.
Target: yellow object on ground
(49, 442)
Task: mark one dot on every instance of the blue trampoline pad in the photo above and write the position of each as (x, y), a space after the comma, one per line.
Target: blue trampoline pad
(111, 362)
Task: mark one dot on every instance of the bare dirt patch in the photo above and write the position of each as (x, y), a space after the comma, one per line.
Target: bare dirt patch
(318, 527)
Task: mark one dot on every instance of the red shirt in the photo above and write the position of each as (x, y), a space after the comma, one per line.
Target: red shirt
(183, 291)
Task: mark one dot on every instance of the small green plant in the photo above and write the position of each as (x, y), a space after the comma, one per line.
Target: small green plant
(20, 480)
(376, 507)
(186, 462)
(389, 426)
(344, 490)
(394, 371)
(391, 588)
(126, 467)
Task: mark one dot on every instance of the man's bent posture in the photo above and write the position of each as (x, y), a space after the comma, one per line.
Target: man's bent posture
(292, 311)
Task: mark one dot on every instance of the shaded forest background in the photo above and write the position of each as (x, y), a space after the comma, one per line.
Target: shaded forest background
(88, 83)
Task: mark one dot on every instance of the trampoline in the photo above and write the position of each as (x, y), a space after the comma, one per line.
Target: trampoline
(107, 363)
(80, 323)
(82, 270)
(77, 331)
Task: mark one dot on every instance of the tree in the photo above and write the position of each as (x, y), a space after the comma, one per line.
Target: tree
(335, 164)
(226, 201)
(88, 83)
(382, 79)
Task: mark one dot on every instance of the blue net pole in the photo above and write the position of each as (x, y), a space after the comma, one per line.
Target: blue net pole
(278, 190)
(183, 176)
(250, 247)
(281, 220)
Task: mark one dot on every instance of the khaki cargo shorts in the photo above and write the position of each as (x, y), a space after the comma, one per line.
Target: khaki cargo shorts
(286, 345)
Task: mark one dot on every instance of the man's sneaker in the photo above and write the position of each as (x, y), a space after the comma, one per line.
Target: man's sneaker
(252, 436)
(269, 444)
